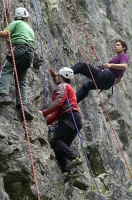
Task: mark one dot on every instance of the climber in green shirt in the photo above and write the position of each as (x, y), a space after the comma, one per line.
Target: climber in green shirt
(21, 33)
(22, 37)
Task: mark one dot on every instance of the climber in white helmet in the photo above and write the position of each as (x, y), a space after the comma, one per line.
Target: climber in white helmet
(64, 110)
(21, 13)
(22, 37)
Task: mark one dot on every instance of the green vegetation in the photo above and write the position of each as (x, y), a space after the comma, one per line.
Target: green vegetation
(108, 21)
(96, 173)
(129, 189)
(105, 190)
(71, 63)
(128, 1)
(87, 150)
(47, 12)
(94, 187)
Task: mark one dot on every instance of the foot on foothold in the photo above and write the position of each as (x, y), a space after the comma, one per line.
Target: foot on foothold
(73, 163)
(67, 176)
(5, 99)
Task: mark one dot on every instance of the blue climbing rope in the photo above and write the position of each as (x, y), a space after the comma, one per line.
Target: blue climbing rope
(57, 68)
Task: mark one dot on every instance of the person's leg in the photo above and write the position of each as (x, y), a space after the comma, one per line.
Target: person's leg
(86, 70)
(73, 161)
(84, 90)
(23, 62)
(76, 119)
(64, 136)
(6, 71)
(63, 162)
(23, 89)
(104, 82)
(22, 84)
(6, 74)
(21, 66)
(62, 133)
(90, 72)
(65, 157)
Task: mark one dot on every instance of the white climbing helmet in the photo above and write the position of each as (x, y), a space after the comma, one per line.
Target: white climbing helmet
(66, 72)
(21, 13)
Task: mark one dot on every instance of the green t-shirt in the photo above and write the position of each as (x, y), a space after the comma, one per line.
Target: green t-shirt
(21, 33)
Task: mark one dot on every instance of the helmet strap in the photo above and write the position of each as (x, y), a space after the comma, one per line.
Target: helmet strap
(20, 18)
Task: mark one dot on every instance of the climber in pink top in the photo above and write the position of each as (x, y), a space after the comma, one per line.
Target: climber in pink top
(106, 75)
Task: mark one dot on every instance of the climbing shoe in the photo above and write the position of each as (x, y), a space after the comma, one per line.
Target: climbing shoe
(73, 163)
(27, 111)
(67, 176)
(53, 74)
(5, 99)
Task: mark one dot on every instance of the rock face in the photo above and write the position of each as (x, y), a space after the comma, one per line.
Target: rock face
(105, 145)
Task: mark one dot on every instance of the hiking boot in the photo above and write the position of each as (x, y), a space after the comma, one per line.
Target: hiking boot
(73, 163)
(53, 74)
(27, 111)
(5, 99)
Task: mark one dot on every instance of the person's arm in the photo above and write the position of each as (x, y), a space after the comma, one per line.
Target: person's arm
(117, 81)
(8, 30)
(60, 97)
(4, 34)
(122, 66)
(54, 117)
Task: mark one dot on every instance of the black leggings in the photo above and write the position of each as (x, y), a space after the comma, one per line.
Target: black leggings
(63, 137)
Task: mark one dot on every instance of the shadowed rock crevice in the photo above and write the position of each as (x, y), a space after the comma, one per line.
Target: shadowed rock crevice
(15, 183)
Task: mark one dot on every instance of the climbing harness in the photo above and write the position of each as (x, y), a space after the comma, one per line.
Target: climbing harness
(110, 83)
(27, 49)
(24, 55)
(51, 133)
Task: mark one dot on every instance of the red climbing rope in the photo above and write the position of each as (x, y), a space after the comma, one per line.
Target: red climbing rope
(85, 58)
(9, 11)
(120, 97)
(23, 114)
(91, 45)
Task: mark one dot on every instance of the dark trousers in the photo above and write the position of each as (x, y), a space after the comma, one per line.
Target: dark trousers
(63, 138)
(103, 79)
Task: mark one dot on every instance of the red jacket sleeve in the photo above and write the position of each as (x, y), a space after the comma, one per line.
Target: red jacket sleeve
(54, 117)
(59, 99)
